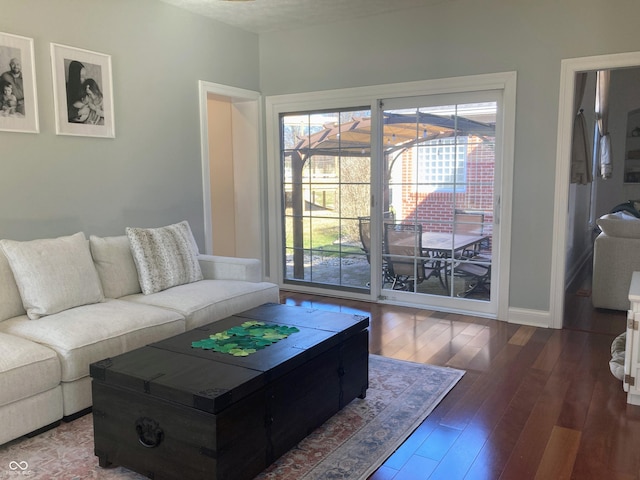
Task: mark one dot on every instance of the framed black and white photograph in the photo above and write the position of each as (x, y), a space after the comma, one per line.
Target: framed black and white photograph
(18, 99)
(82, 92)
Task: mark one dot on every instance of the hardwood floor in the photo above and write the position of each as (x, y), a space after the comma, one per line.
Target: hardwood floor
(534, 403)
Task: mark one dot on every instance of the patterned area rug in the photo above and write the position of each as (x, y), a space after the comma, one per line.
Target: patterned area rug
(350, 445)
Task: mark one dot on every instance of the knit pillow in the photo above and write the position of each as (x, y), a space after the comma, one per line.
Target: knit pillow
(616, 364)
(53, 274)
(165, 257)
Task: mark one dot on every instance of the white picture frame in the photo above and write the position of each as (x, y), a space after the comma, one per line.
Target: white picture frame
(19, 105)
(82, 92)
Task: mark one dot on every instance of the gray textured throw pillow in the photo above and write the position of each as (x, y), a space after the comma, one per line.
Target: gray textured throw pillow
(164, 257)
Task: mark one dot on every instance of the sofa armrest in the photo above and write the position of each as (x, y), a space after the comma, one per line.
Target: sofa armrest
(215, 267)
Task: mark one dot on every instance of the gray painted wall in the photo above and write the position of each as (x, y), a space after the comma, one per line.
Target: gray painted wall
(468, 37)
(150, 174)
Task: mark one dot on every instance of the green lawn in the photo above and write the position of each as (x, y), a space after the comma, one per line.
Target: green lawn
(323, 234)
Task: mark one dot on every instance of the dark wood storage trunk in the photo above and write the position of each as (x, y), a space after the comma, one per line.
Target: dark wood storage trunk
(170, 411)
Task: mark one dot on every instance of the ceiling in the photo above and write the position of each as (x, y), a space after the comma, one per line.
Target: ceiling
(262, 16)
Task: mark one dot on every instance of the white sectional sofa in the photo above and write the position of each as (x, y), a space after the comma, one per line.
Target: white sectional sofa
(68, 302)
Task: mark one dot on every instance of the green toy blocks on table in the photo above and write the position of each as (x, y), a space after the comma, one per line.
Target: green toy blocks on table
(245, 339)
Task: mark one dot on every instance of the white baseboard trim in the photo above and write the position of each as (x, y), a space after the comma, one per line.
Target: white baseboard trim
(534, 318)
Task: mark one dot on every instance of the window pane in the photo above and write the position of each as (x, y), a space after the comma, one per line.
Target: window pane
(326, 167)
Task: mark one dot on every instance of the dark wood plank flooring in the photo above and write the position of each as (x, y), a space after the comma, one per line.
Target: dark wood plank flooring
(534, 403)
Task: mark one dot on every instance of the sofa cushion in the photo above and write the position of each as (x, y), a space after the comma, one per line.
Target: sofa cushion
(620, 224)
(207, 301)
(114, 263)
(10, 300)
(32, 413)
(91, 333)
(26, 369)
(53, 274)
(164, 257)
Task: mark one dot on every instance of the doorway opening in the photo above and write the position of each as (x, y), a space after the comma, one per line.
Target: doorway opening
(232, 171)
(562, 260)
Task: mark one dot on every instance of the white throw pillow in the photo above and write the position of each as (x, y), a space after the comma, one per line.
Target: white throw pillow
(620, 224)
(115, 265)
(10, 300)
(53, 274)
(164, 257)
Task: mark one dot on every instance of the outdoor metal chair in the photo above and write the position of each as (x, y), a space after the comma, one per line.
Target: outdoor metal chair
(403, 252)
(465, 223)
(478, 275)
(364, 228)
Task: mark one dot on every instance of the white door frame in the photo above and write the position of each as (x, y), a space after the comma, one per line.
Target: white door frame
(358, 96)
(569, 69)
(252, 117)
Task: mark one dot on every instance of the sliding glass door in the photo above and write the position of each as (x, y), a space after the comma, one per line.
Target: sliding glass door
(394, 201)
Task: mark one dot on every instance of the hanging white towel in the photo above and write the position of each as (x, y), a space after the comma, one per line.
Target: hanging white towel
(605, 157)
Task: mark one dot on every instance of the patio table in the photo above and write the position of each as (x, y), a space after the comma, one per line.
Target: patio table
(438, 246)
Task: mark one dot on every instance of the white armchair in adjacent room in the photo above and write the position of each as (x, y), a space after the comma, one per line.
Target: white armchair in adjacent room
(616, 255)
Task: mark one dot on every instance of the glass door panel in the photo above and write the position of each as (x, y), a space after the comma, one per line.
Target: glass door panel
(326, 185)
(439, 178)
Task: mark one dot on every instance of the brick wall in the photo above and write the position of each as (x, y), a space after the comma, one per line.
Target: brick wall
(435, 209)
